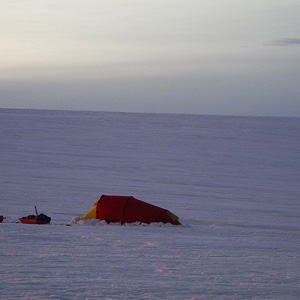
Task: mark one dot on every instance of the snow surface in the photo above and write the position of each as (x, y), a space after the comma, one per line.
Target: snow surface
(233, 181)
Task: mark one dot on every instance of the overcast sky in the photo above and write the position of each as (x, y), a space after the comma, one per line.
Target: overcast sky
(223, 57)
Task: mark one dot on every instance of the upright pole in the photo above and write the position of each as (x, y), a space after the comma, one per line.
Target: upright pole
(36, 211)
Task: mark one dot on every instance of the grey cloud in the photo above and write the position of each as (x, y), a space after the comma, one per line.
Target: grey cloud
(285, 42)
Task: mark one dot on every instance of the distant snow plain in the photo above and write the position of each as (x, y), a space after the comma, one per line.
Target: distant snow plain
(233, 181)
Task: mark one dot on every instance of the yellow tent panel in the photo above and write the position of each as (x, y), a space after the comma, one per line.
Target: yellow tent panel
(91, 214)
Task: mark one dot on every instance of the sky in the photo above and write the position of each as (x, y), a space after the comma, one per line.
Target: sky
(222, 57)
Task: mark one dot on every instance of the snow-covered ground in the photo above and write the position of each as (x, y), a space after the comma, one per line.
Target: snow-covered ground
(233, 181)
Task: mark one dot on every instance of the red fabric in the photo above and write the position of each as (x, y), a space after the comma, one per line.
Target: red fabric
(32, 221)
(127, 209)
(110, 208)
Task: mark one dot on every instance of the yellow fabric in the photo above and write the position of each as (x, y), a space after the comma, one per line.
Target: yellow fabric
(172, 216)
(90, 215)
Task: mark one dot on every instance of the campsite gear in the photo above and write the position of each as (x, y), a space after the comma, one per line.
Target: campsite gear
(35, 219)
(127, 209)
(36, 211)
(32, 219)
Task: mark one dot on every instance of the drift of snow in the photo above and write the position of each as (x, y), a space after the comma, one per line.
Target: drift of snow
(233, 182)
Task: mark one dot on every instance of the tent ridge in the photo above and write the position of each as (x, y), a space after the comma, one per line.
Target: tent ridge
(122, 218)
(157, 218)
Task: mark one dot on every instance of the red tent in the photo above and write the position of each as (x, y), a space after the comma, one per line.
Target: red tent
(127, 209)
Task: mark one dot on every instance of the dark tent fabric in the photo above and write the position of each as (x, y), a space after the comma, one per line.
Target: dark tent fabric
(127, 209)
